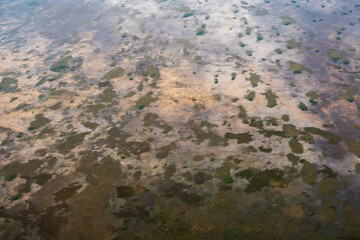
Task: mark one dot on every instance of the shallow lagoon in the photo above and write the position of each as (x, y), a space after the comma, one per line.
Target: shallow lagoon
(166, 119)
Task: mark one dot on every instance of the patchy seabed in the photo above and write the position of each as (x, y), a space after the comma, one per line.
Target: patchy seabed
(163, 119)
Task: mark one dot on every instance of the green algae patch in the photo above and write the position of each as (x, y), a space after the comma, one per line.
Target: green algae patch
(189, 177)
(39, 121)
(95, 108)
(8, 85)
(144, 102)
(200, 30)
(113, 63)
(271, 98)
(153, 72)
(332, 138)
(308, 173)
(11, 177)
(250, 149)
(104, 84)
(42, 179)
(151, 119)
(293, 158)
(107, 95)
(266, 178)
(313, 102)
(140, 87)
(292, 43)
(328, 188)
(7, 142)
(217, 97)
(15, 169)
(188, 12)
(90, 125)
(312, 95)
(114, 73)
(287, 20)
(248, 30)
(197, 58)
(71, 142)
(327, 172)
(169, 170)
(254, 79)
(270, 121)
(11, 170)
(57, 93)
(164, 151)
(22, 106)
(295, 67)
(296, 146)
(246, 173)
(137, 175)
(130, 94)
(46, 132)
(278, 50)
(250, 96)
(240, 137)
(259, 37)
(302, 106)
(290, 130)
(201, 135)
(265, 150)
(15, 197)
(56, 106)
(198, 158)
(346, 62)
(334, 55)
(61, 65)
(270, 133)
(352, 221)
(132, 147)
(249, 53)
(242, 112)
(328, 214)
(354, 147)
(285, 118)
(256, 122)
(228, 180)
(261, 179)
(309, 139)
(223, 172)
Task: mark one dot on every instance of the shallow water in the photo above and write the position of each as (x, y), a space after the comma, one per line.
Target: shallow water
(160, 119)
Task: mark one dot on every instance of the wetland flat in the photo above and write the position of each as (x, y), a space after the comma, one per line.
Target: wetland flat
(187, 119)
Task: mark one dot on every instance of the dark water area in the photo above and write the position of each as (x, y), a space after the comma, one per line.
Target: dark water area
(193, 119)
